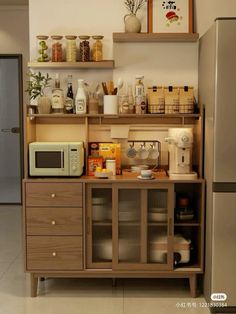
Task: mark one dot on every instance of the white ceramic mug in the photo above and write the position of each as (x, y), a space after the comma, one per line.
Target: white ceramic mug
(110, 104)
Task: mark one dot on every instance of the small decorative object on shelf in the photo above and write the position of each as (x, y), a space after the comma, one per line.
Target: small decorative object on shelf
(173, 16)
(84, 49)
(132, 23)
(42, 48)
(97, 51)
(140, 97)
(71, 48)
(57, 50)
(36, 87)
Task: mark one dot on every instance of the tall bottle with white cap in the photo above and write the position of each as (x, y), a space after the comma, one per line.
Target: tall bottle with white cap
(80, 99)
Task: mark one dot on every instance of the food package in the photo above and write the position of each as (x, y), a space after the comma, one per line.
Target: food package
(171, 100)
(186, 100)
(93, 163)
(156, 100)
(111, 151)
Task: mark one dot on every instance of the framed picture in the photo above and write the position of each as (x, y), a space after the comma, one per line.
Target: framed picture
(172, 16)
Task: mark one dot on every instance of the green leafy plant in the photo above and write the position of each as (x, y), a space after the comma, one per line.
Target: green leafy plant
(37, 84)
(134, 5)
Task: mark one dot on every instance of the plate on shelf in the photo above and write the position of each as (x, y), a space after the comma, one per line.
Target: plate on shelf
(142, 178)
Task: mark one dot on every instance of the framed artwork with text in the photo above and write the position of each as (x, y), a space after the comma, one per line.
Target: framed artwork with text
(172, 16)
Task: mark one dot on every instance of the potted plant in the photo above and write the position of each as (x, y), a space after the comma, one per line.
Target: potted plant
(132, 23)
(36, 87)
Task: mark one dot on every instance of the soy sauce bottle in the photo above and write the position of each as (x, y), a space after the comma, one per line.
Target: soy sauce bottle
(69, 103)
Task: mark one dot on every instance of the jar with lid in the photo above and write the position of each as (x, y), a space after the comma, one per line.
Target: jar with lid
(97, 51)
(140, 98)
(84, 49)
(42, 47)
(111, 165)
(57, 50)
(123, 104)
(71, 48)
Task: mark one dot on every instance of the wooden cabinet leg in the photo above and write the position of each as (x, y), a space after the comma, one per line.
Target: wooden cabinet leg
(34, 285)
(193, 285)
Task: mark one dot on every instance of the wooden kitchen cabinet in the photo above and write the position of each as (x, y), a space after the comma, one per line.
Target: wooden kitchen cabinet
(81, 227)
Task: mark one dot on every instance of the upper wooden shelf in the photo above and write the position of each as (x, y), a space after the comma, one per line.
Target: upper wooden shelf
(106, 64)
(155, 37)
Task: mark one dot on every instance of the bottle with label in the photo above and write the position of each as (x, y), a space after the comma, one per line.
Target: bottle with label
(57, 97)
(140, 98)
(80, 99)
(69, 102)
(130, 99)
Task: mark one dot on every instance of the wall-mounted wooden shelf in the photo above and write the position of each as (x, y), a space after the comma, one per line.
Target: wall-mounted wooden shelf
(106, 64)
(155, 37)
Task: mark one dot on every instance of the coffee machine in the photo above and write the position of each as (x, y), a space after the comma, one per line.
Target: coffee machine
(180, 143)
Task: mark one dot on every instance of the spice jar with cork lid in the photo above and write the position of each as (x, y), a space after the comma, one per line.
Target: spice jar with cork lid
(57, 50)
(71, 48)
(97, 51)
(42, 48)
(84, 49)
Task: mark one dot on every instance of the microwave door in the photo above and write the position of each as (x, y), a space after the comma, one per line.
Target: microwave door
(47, 162)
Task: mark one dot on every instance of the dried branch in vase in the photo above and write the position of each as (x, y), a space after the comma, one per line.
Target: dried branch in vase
(134, 5)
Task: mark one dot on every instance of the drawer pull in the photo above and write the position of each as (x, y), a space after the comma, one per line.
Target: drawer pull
(53, 195)
(53, 222)
(54, 254)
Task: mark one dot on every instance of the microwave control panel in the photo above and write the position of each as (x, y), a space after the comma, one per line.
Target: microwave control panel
(76, 160)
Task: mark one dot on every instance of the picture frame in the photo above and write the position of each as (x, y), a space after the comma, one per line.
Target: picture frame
(170, 16)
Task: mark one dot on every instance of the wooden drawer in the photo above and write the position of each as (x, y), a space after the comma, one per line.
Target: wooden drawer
(54, 194)
(54, 253)
(53, 221)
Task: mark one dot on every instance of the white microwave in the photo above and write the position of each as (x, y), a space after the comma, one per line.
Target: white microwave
(56, 158)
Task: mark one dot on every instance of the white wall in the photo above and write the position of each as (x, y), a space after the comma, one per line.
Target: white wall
(161, 63)
(14, 32)
(207, 10)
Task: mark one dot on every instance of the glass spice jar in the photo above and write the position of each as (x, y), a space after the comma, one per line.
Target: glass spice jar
(84, 49)
(71, 48)
(97, 50)
(42, 48)
(57, 50)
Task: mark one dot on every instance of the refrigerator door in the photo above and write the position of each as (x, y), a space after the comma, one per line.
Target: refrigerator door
(225, 109)
(224, 246)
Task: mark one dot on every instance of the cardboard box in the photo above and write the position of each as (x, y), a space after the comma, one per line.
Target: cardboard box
(93, 163)
(111, 151)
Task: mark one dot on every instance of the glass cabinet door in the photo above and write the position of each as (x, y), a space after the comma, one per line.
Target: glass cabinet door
(143, 226)
(159, 222)
(99, 226)
(129, 225)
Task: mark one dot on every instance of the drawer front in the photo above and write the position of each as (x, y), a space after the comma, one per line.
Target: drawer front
(53, 221)
(54, 253)
(54, 194)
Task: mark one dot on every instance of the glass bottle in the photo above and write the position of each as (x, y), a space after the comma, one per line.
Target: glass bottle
(97, 51)
(140, 99)
(81, 99)
(71, 48)
(57, 50)
(69, 102)
(42, 48)
(84, 49)
(130, 99)
(57, 97)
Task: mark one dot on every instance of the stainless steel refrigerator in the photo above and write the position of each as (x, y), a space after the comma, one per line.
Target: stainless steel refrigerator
(217, 92)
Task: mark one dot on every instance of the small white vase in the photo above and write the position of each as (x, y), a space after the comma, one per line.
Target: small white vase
(132, 23)
(44, 105)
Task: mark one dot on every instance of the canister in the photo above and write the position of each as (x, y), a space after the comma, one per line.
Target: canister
(111, 165)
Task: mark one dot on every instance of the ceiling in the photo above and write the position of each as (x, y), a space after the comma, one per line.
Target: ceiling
(13, 2)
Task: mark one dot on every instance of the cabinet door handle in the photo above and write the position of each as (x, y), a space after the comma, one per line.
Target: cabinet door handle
(53, 222)
(170, 227)
(53, 195)
(54, 254)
